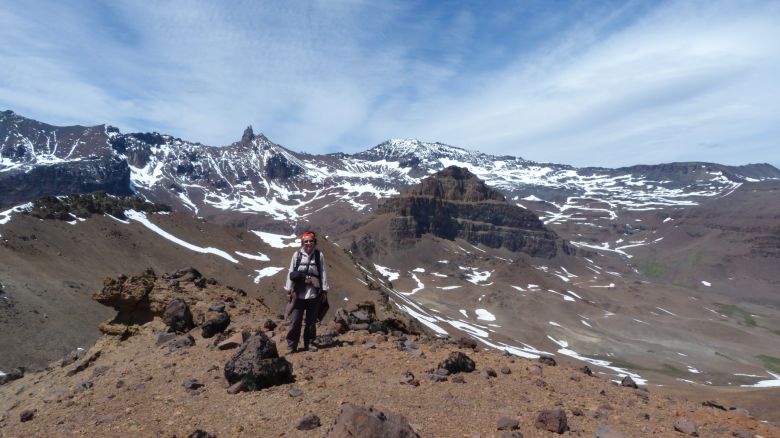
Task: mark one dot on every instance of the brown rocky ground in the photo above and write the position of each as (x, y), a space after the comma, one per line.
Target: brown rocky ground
(135, 386)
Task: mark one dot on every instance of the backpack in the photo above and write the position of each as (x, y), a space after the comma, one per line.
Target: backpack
(317, 263)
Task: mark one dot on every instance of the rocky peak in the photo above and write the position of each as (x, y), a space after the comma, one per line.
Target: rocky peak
(454, 203)
(456, 184)
(248, 136)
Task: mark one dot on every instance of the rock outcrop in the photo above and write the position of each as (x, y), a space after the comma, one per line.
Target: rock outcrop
(454, 203)
(257, 365)
(85, 205)
(368, 422)
(140, 298)
(159, 383)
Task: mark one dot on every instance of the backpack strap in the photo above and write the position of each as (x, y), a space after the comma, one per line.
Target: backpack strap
(297, 260)
(317, 262)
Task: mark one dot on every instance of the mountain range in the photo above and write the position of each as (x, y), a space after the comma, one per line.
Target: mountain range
(665, 273)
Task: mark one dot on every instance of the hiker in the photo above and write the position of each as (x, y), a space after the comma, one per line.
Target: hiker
(307, 288)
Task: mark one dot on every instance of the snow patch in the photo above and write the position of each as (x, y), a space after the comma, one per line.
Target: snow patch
(277, 240)
(141, 217)
(484, 315)
(266, 272)
(387, 272)
(260, 256)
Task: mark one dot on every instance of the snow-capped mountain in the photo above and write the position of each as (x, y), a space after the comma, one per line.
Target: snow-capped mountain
(660, 251)
(259, 178)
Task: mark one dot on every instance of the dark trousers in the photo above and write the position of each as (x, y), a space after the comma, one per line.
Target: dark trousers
(310, 307)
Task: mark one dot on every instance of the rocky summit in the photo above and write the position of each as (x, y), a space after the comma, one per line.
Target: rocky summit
(454, 203)
(159, 377)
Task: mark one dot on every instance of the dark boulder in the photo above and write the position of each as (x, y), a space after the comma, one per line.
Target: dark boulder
(27, 415)
(178, 316)
(458, 362)
(309, 422)
(358, 421)
(469, 343)
(628, 382)
(182, 341)
(507, 423)
(686, 426)
(216, 322)
(547, 360)
(552, 420)
(14, 374)
(258, 364)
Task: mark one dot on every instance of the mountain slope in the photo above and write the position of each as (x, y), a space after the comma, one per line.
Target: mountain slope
(148, 384)
(48, 269)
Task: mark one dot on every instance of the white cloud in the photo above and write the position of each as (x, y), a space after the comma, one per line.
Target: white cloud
(680, 81)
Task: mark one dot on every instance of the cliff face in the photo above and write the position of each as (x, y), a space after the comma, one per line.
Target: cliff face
(108, 174)
(454, 203)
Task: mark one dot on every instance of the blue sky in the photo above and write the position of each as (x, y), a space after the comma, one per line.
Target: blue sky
(585, 83)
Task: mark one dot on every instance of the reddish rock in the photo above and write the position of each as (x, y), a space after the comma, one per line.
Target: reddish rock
(686, 426)
(552, 420)
(309, 422)
(534, 369)
(628, 382)
(178, 316)
(27, 415)
(458, 362)
(233, 341)
(357, 421)
(507, 423)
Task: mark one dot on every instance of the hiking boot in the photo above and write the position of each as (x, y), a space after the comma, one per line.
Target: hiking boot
(290, 350)
(311, 349)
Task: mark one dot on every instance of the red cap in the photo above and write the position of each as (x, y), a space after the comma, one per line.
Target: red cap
(309, 235)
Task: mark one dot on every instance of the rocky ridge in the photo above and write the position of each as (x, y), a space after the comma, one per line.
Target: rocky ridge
(149, 379)
(255, 175)
(454, 203)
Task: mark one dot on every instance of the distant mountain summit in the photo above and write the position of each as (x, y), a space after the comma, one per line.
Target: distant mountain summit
(454, 203)
(256, 180)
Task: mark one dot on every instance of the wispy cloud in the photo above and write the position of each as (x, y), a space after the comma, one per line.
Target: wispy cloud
(585, 84)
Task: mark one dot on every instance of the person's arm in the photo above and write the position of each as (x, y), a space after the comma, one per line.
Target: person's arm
(288, 284)
(324, 274)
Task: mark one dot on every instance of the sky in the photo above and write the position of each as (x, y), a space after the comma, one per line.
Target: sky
(586, 83)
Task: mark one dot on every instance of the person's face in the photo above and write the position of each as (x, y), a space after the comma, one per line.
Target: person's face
(308, 244)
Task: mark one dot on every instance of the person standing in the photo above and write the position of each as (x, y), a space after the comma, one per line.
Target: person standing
(307, 287)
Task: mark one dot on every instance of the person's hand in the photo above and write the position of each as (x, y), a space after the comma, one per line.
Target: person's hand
(324, 296)
(313, 281)
(289, 296)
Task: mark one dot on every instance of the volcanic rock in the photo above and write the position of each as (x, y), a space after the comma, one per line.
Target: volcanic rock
(216, 322)
(26, 415)
(181, 342)
(358, 421)
(457, 362)
(552, 420)
(233, 341)
(507, 423)
(258, 364)
(309, 422)
(628, 382)
(178, 317)
(686, 426)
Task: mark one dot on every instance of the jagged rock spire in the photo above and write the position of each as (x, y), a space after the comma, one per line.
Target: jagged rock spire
(248, 136)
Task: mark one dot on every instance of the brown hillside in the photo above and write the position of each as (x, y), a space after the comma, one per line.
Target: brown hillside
(144, 387)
